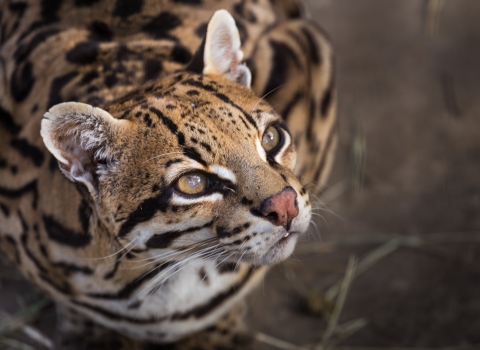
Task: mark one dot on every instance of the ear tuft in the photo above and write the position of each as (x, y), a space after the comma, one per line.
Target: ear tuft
(222, 53)
(79, 136)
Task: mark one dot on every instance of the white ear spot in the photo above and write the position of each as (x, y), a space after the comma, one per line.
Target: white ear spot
(222, 54)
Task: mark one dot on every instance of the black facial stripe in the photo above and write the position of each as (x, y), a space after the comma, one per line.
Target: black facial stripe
(127, 291)
(30, 187)
(223, 232)
(188, 151)
(146, 210)
(197, 312)
(63, 235)
(326, 151)
(164, 240)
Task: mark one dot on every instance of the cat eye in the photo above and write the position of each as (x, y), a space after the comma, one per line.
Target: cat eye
(192, 183)
(271, 139)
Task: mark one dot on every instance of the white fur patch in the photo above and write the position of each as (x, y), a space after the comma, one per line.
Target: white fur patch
(286, 143)
(223, 173)
(179, 200)
(260, 150)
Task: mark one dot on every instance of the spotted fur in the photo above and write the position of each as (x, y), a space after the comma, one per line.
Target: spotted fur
(89, 210)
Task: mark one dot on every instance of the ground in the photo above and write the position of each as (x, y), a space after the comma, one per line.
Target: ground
(399, 223)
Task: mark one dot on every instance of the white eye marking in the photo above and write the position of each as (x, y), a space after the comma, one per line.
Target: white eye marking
(223, 173)
(286, 143)
(261, 150)
(177, 199)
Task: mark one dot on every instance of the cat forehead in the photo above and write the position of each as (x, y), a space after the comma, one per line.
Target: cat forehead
(198, 104)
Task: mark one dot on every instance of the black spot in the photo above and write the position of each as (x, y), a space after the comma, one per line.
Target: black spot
(89, 77)
(206, 146)
(201, 30)
(170, 107)
(6, 119)
(28, 150)
(5, 210)
(50, 9)
(63, 235)
(82, 3)
(34, 109)
(246, 201)
(53, 163)
(163, 240)
(203, 275)
(148, 120)
(99, 31)
(84, 214)
(227, 267)
(172, 161)
(110, 80)
(327, 100)
(14, 169)
(57, 86)
(193, 93)
(22, 81)
(180, 54)
(193, 139)
(83, 53)
(152, 69)
(126, 8)
(160, 26)
(155, 188)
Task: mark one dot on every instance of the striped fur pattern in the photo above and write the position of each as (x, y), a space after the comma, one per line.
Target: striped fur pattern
(105, 104)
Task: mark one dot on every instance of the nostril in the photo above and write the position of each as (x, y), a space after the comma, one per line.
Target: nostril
(272, 217)
(280, 209)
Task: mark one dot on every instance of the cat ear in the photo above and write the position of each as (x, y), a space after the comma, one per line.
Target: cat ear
(219, 52)
(80, 137)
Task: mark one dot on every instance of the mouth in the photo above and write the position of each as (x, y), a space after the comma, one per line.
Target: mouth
(285, 239)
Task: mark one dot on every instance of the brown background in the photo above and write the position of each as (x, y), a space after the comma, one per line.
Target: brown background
(408, 74)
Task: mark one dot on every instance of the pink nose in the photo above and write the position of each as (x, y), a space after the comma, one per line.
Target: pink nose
(281, 208)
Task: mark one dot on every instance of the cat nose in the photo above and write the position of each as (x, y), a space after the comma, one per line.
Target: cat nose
(281, 209)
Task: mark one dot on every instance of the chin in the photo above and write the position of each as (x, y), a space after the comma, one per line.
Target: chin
(280, 250)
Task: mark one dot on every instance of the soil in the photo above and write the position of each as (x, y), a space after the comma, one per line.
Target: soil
(408, 166)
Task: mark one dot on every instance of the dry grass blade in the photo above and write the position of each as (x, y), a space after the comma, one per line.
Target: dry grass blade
(347, 329)
(333, 321)
(279, 344)
(10, 343)
(20, 318)
(432, 16)
(370, 259)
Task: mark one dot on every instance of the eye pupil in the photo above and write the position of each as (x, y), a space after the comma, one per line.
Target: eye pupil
(192, 183)
(270, 139)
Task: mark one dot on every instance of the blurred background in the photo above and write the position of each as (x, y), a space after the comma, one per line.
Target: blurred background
(393, 260)
(403, 205)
